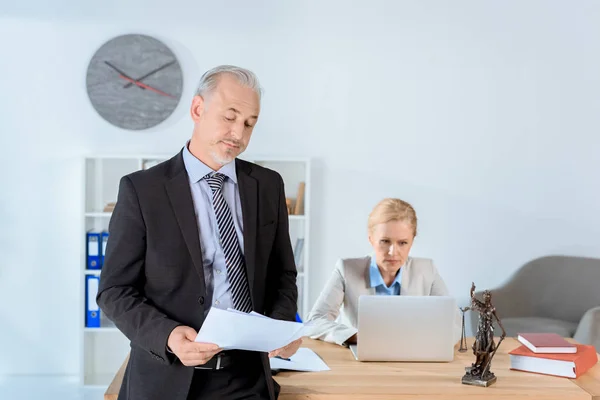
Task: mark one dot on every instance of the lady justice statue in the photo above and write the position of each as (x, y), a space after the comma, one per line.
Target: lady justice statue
(484, 348)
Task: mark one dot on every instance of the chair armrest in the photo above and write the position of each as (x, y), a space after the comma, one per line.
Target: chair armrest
(588, 330)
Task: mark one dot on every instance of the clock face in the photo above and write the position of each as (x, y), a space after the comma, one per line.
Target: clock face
(134, 81)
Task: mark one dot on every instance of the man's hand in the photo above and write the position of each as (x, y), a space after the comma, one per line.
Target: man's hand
(181, 342)
(287, 351)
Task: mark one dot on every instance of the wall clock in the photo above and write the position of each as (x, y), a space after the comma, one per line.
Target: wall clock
(134, 81)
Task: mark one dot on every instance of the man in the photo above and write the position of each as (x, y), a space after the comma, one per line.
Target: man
(203, 229)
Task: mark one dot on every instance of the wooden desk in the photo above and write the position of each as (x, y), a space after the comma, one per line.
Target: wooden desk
(350, 379)
(113, 389)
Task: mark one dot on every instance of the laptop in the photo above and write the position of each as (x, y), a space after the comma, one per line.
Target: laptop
(405, 328)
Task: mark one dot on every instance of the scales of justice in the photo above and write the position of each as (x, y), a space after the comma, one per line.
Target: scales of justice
(484, 348)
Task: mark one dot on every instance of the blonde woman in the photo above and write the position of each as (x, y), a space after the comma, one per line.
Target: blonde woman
(392, 228)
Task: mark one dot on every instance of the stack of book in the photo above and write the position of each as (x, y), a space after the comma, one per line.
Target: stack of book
(550, 354)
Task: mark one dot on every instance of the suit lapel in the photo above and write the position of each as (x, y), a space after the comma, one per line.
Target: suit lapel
(180, 196)
(405, 289)
(369, 290)
(248, 189)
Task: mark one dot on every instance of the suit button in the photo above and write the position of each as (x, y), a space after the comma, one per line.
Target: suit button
(201, 299)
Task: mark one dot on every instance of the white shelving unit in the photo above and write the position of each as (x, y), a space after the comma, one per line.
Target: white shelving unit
(103, 349)
(295, 171)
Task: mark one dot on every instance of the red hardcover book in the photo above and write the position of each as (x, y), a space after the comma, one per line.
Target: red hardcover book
(567, 365)
(546, 343)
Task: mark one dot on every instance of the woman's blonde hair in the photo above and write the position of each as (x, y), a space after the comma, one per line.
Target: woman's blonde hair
(393, 210)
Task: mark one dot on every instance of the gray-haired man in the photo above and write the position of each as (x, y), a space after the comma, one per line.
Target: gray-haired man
(203, 229)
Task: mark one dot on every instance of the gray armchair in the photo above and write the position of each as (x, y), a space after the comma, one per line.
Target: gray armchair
(558, 294)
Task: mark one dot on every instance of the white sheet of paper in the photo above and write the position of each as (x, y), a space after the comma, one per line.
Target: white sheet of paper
(304, 360)
(231, 329)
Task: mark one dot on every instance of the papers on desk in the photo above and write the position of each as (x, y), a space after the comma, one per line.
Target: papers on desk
(235, 330)
(304, 360)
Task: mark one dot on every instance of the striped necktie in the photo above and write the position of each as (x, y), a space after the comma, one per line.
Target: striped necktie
(236, 271)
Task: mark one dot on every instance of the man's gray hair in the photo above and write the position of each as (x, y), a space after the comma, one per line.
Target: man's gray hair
(245, 77)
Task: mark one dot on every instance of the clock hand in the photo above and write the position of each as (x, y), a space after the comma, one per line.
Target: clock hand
(144, 86)
(150, 73)
(123, 75)
(119, 71)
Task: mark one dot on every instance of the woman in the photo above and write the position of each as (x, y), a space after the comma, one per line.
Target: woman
(392, 227)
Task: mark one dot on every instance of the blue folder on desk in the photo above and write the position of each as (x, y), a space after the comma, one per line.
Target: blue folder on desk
(93, 250)
(92, 310)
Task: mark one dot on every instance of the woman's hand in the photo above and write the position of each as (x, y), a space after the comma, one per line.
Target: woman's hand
(353, 339)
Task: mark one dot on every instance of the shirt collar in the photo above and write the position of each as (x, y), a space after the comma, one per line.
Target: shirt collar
(376, 278)
(197, 170)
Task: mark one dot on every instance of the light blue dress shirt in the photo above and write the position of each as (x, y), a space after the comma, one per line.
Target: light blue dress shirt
(381, 289)
(213, 257)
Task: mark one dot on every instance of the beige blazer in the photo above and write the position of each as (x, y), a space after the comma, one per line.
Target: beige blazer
(350, 280)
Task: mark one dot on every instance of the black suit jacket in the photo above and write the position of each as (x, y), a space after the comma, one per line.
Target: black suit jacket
(153, 280)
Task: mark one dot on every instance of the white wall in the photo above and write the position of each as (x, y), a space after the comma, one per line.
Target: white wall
(484, 115)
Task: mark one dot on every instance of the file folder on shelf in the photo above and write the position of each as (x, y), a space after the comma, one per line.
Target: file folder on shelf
(92, 310)
(104, 237)
(93, 249)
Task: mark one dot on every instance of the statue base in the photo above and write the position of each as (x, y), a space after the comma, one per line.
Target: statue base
(478, 380)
